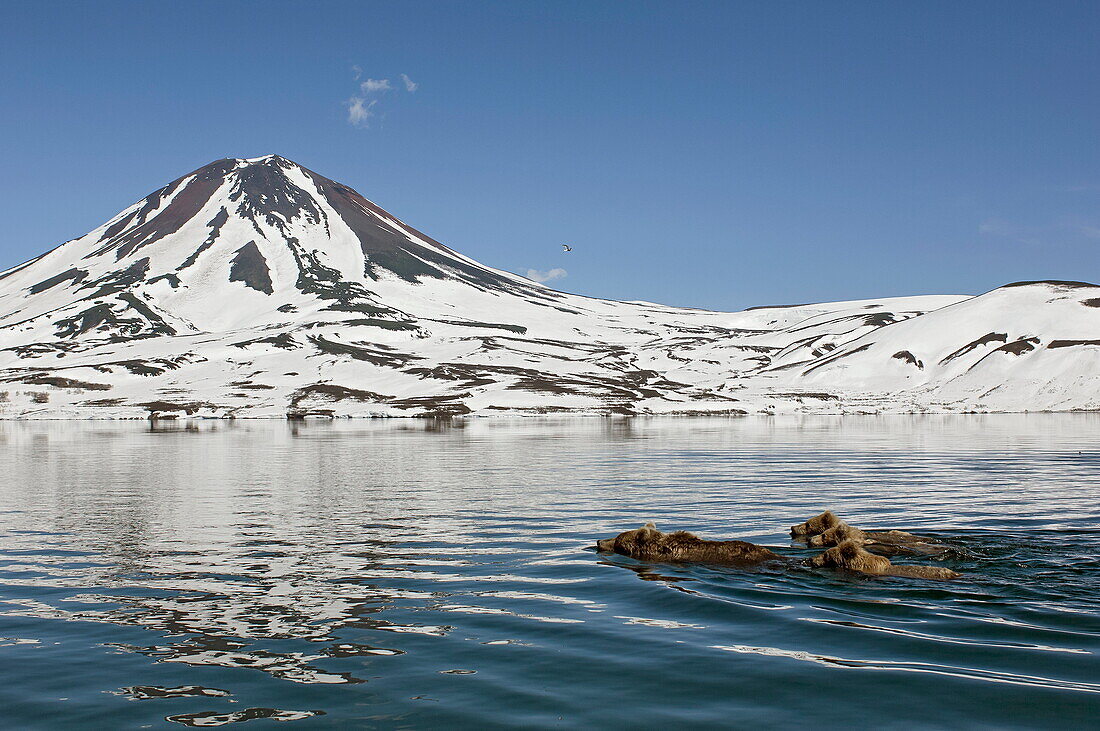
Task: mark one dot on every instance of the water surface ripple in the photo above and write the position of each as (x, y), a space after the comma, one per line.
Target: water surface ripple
(425, 574)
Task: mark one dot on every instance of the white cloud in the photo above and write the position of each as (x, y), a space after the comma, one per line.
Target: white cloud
(549, 276)
(370, 86)
(361, 104)
(360, 111)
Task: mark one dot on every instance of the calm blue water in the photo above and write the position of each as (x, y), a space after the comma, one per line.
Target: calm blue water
(407, 574)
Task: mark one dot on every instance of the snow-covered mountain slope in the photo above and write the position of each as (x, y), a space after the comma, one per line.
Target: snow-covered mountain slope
(257, 288)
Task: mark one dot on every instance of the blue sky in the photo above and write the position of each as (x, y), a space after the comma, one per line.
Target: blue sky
(718, 155)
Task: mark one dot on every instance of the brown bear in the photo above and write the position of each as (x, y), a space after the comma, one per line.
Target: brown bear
(815, 525)
(649, 544)
(850, 555)
(837, 534)
(890, 543)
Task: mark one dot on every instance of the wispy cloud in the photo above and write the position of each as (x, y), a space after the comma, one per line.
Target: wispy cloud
(370, 86)
(548, 276)
(359, 111)
(361, 104)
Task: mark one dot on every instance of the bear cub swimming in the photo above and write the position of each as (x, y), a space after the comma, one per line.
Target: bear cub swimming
(852, 556)
(649, 544)
(827, 529)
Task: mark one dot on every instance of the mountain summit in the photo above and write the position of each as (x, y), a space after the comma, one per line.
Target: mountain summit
(256, 287)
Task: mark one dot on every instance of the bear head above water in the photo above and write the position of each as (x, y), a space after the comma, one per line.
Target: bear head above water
(850, 555)
(836, 535)
(816, 525)
(649, 544)
(889, 543)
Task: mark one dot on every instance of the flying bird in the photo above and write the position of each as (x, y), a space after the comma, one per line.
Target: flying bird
(567, 248)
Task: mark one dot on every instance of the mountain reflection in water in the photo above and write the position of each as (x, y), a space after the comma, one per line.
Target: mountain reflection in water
(441, 573)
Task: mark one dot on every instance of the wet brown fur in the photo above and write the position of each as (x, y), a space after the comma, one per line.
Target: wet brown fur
(649, 544)
(850, 555)
(889, 543)
(815, 525)
(837, 534)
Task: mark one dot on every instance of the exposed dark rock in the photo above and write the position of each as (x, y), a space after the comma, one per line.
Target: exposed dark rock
(154, 367)
(386, 249)
(1051, 282)
(780, 307)
(264, 191)
(172, 280)
(76, 276)
(1019, 347)
(384, 324)
(836, 356)
(517, 329)
(250, 267)
(1070, 343)
(98, 317)
(983, 340)
(379, 357)
(156, 324)
(434, 406)
(329, 392)
(183, 207)
(215, 225)
(806, 394)
(102, 402)
(118, 281)
(905, 355)
(59, 382)
(166, 409)
(285, 341)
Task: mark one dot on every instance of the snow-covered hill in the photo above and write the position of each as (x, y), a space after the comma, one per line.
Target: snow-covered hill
(257, 288)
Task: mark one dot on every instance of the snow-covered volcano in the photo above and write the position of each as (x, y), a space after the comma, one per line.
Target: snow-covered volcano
(260, 288)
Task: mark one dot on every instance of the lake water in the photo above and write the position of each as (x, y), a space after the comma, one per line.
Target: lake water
(402, 574)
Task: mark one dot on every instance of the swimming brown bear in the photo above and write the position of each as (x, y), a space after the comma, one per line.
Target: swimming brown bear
(815, 525)
(828, 530)
(850, 555)
(890, 542)
(649, 544)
